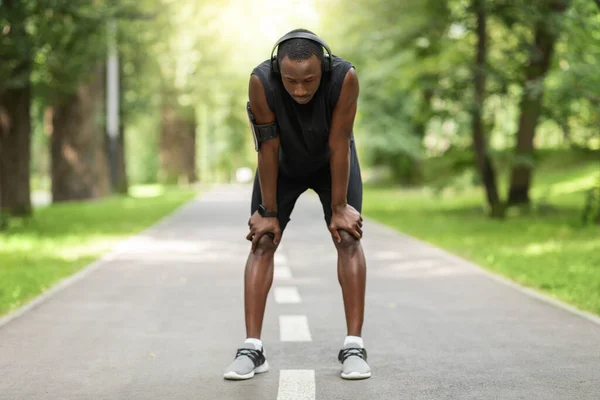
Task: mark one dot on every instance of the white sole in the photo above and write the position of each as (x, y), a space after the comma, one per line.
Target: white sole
(356, 375)
(232, 375)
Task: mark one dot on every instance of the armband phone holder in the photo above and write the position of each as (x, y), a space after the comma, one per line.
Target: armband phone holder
(261, 133)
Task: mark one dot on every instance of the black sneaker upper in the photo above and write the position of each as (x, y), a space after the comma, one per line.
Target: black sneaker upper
(256, 356)
(358, 352)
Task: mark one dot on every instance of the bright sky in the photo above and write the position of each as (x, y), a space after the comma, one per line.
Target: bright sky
(256, 25)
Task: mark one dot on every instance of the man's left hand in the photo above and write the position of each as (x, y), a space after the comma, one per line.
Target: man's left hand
(348, 219)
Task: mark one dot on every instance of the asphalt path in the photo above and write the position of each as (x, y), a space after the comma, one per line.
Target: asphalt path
(161, 316)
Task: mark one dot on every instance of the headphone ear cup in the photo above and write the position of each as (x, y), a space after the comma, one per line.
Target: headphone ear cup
(326, 65)
(275, 65)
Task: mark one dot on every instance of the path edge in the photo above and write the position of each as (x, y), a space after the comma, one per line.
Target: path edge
(496, 276)
(86, 270)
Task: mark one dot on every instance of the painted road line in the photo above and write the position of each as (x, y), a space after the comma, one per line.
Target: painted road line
(287, 295)
(282, 273)
(280, 259)
(296, 384)
(294, 328)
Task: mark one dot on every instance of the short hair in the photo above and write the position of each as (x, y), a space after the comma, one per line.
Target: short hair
(300, 49)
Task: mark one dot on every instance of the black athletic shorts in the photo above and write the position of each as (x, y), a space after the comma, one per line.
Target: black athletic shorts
(290, 188)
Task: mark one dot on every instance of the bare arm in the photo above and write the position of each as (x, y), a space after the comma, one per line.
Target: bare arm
(268, 156)
(342, 123)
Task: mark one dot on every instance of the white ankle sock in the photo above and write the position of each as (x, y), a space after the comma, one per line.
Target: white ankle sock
(354, 339)
(256, 342)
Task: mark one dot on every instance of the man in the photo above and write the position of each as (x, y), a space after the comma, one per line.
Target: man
(302, 105)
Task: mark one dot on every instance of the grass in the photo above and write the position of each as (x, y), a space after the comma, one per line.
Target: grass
(547, 248)
(59, 240)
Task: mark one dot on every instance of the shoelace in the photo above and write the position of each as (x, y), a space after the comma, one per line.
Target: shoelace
(256, 356)
(345, 353)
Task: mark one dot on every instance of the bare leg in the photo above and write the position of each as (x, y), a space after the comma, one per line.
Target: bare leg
(352, 271)
(258, 278)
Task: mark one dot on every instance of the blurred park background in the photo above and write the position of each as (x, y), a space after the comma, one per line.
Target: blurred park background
(478, 126)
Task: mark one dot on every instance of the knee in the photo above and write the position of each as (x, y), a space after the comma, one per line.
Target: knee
(265, 246)
(349, 243)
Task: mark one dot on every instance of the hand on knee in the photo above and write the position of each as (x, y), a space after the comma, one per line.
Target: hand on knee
(348, 244)
(265, 246)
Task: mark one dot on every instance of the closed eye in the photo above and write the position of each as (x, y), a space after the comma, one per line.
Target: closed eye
(309, 79)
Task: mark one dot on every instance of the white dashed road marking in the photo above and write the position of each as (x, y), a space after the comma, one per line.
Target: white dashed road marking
(282, 273)
(296, 385)
(294, 328)
(287, 295)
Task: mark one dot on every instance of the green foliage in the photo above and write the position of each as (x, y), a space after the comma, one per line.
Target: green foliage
(414, 60)
(419, 80)
(182, 59)
(55, 44)
(141, 147)
(399, 75)
(141, 44)
(68, 39)
(16, 44)
(572, 101)
(57, 39)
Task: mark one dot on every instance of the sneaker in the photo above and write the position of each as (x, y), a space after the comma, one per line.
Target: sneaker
(248, 361)
(354, 362)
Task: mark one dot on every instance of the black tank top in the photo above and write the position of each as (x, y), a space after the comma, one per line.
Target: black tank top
(303, 128)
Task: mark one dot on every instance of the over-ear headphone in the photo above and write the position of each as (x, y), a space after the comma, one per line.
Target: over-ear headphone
(327, 61)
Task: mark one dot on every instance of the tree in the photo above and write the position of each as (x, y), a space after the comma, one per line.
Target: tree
(409, 53)
(572, 84)
(79, 162)
(72, 83)
(74, 89)
(547, 28)
(484, 163)
(15, 108)
(177, 144)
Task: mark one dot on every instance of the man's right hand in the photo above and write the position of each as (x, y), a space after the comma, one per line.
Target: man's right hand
(260, 226)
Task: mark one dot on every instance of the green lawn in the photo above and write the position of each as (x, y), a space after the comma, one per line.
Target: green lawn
(60, 239)
(547, 249)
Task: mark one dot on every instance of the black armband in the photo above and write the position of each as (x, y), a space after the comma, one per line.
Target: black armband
(261, 133)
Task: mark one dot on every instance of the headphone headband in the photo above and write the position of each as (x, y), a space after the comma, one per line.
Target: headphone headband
(300, 35)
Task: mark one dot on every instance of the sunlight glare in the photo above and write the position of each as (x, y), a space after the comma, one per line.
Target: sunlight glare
(253, 28)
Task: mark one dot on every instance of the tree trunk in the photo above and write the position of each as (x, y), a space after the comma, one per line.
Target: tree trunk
(177, 148)
(591, 210)
(122, 182)
(116, 148)
(424, 114)
(566, 131)
(190, 152)
(15, 150)
(484, 163)
(15, 118)
(79, 160)
(531, 104)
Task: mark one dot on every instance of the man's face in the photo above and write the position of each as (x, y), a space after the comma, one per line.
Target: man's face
(301, 79)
